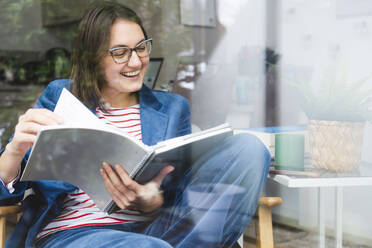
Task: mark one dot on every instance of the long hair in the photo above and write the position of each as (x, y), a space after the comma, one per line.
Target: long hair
(91, 46)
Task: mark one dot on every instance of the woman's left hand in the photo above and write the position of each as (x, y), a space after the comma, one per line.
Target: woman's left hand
(128, 194)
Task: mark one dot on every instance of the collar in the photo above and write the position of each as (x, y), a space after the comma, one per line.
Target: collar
(147, 98)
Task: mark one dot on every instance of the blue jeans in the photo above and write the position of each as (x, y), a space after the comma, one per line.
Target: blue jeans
(209, 207)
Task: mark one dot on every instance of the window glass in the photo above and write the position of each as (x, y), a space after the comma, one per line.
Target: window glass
(258, 65)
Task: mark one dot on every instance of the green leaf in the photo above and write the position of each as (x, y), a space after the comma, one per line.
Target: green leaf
(336, 99)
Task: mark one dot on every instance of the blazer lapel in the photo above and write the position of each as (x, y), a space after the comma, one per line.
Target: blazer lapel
(154, 123)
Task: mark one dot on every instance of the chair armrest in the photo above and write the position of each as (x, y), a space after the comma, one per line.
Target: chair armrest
(270, 201)
(15, 209)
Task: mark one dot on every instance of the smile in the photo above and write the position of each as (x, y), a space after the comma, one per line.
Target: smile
(130, 74)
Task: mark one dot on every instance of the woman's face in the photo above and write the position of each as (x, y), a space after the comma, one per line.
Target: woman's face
(126, 77)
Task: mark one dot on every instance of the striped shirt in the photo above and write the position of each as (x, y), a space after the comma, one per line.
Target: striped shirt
(127, 119)
(78, 209)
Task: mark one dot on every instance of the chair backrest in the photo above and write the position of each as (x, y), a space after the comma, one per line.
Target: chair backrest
(153, 71)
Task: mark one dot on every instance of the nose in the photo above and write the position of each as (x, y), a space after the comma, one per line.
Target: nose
(134, 60)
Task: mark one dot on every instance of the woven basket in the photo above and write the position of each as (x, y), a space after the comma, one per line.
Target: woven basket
(335, 146)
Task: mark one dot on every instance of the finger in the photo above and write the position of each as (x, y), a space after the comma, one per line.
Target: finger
(120, 201)
(125, 178)
(111, 173)
(24, 138)
(119, 184)
(51, 115)
(37, 118)
(28, 127)
(40, 116)
(162, 174)
(116, 196)
(133, 207)
(21, 143)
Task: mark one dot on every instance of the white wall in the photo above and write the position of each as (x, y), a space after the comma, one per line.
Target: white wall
(312, 36)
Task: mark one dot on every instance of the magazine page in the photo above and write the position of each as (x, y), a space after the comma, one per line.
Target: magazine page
(74, 112)
(76, 115)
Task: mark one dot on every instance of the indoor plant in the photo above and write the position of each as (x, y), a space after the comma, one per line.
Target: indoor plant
(337, 114)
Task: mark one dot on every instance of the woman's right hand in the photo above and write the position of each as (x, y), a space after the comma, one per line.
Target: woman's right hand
(24, 137)
(29, 124)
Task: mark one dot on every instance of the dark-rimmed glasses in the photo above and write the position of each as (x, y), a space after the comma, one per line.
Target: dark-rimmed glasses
(123, 54)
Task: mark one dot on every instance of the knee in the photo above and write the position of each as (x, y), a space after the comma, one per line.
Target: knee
(249, 145)
(250, 151)
(246, 139)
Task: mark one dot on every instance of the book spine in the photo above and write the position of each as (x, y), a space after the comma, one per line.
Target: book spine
(141, 165)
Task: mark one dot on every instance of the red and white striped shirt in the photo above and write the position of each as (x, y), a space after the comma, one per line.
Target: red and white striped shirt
(79, 210)
(127, 119)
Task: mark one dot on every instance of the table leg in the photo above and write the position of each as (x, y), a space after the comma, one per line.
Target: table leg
(338, 216)
(321, 217)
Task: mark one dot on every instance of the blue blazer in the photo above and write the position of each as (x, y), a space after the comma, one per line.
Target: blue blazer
(163, 116)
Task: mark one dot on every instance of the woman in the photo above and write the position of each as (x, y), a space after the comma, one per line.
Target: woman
(110, 58)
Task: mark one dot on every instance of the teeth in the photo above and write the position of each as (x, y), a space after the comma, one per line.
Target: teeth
(130, 74)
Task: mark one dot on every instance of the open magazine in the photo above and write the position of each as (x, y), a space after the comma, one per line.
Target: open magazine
(73, 152)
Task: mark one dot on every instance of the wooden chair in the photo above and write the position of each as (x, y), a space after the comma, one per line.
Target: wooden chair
(6, 212)
(264, 224)
(264, 229)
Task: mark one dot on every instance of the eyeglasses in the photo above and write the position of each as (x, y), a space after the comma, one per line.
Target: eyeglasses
(123, 54)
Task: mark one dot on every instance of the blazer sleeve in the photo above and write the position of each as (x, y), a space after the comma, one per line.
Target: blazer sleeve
(47, 99)
(7, 198)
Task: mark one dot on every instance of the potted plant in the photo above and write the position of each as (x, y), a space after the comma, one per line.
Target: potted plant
(337, 115)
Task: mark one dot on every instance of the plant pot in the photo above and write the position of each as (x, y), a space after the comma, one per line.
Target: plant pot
(334, 145)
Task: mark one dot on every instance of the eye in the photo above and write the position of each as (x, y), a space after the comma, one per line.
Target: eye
(141, 47)
(120, 52)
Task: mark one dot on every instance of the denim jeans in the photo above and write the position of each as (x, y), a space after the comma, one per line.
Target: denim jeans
(210, 206)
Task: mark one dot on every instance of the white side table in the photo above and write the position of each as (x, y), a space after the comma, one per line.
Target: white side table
(337, 181)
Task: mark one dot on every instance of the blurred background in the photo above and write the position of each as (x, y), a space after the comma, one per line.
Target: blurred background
(251, 63)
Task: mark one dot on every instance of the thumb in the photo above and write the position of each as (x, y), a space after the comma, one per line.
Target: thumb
(161, 175)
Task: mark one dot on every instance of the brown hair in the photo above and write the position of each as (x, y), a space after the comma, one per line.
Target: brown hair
(90, 47)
